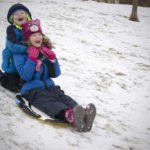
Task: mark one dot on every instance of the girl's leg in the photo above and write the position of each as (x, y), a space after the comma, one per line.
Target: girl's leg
(82, 118)
(58, 105)
(46, 101)
(62, 97)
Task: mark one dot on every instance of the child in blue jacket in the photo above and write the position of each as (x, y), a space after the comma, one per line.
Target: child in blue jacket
(17, 15)
(37, 67)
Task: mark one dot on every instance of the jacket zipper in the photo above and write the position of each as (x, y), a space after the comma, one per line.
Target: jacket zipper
(10, 60)
(43, 75)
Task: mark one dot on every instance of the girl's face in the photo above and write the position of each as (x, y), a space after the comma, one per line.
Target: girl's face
(20, 17)
(36, 39)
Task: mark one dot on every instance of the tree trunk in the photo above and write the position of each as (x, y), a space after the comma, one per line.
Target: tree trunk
(134, 16)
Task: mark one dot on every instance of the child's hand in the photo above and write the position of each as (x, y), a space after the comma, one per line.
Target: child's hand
(49, 53)
(33, 53)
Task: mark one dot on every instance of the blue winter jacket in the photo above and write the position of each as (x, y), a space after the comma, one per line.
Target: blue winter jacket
(14, 45)
(35, 79)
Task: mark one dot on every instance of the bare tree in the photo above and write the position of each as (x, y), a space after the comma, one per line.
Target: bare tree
(134, 16)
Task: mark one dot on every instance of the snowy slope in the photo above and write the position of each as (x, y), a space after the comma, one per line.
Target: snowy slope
(105, 59)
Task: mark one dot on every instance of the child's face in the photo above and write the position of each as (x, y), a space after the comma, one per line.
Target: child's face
(20, 17)
(36, 39)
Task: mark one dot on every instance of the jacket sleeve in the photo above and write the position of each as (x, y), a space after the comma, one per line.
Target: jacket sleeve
(7, 62)
(53, 68)
(24, 66)
(14, 45)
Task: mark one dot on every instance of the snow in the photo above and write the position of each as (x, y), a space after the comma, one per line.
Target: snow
(104, 59)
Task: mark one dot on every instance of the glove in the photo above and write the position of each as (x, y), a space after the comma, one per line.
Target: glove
(49, 53)
(33, 53)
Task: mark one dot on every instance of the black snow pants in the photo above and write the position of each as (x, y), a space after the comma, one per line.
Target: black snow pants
(51, 101)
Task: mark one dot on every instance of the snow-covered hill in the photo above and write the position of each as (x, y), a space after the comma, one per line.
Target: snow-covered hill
(105, 59)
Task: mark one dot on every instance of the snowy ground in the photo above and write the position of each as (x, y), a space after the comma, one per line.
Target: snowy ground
(105, 59)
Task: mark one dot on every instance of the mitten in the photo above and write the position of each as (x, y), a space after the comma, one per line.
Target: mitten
(33, 53)
(49, 53)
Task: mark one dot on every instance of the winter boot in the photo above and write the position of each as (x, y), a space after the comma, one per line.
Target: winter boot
(76, 117)
(90, 113)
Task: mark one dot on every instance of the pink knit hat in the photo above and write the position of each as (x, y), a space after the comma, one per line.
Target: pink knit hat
(30, 27)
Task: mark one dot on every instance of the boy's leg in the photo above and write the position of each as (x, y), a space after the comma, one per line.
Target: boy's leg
(1, 74)
(10, 82)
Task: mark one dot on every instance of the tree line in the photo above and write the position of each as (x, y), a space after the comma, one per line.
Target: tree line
(133, 16)
(144, 3)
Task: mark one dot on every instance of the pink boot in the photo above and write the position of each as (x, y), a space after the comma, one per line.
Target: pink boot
(76, 117)
(90, 113)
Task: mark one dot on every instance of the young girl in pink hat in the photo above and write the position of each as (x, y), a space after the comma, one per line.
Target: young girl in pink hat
(37, 68)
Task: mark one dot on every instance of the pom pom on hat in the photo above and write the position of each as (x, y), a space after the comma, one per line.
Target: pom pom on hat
(30, 27)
